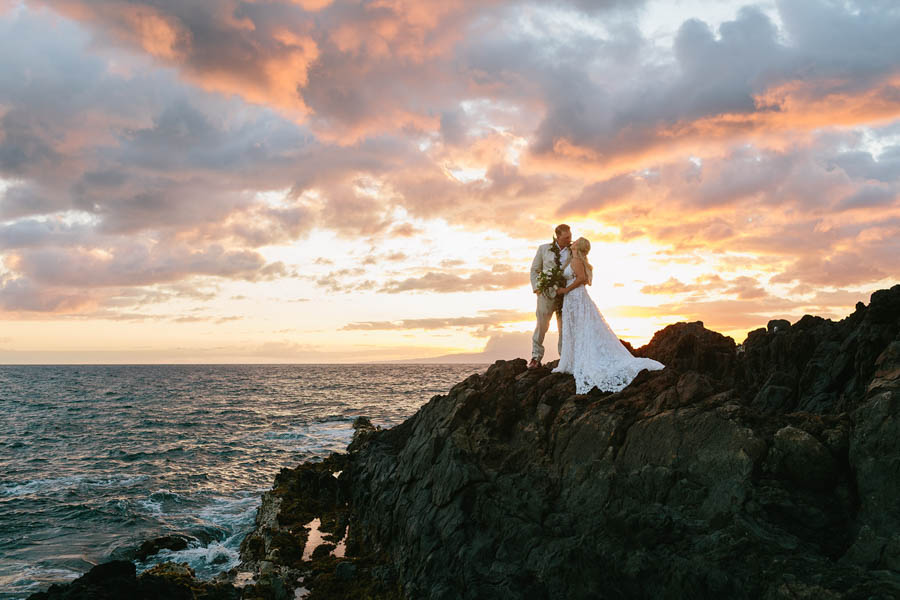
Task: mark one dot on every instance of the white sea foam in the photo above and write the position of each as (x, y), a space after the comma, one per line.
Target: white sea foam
(317, 438)
(120, 481)
(151, 506)
(205, 560)
(40, 485)
(56, 484)
(234, 515)
(232, 511)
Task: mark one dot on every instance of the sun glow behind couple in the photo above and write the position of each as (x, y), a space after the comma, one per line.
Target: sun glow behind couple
(588, 347)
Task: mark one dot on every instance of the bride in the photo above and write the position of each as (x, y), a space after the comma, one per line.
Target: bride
(591, 351)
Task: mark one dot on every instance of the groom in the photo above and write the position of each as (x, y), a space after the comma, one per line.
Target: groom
(545, 260)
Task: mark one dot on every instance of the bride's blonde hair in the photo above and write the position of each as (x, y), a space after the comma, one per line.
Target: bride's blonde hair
(580, 249)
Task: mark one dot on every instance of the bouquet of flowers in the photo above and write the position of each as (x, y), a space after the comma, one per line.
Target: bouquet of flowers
(550, 281)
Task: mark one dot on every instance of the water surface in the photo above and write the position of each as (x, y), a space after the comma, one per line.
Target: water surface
(96, 459)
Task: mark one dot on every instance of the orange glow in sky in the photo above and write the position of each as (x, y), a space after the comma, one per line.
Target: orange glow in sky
(345, 181)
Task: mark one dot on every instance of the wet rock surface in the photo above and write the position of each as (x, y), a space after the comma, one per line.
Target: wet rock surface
(766, 470)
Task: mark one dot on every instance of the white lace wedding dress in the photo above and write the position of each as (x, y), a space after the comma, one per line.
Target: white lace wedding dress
(591, 351)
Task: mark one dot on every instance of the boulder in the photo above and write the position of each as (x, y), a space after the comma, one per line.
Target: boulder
(166, 542)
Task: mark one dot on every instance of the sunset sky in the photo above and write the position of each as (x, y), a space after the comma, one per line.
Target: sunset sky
(346, 181)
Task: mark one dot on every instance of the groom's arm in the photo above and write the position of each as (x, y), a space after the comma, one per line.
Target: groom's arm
(537, 265)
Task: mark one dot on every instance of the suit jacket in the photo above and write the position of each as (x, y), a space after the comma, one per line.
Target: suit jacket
(545, 260)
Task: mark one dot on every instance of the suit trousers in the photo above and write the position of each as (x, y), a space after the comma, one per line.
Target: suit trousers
(545, 309)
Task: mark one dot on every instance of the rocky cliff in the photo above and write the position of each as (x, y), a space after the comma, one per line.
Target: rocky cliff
(766, 470)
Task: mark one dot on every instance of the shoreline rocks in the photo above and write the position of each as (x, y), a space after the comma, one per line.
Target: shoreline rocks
(766, 470)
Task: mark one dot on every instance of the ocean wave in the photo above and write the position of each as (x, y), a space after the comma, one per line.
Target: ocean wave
(232, 511)
(166, 496)
(217, 528)
(120, 481)
(317, 430)
(151, 507)
(58, 484)
(23, 578)
(160, 503)
(40, 485)
(142, 454)
(172, 448)
(206, 560)
(335, 418)
(315, 439)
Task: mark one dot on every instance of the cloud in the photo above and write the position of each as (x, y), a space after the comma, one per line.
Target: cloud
(841, 269)
(869, 196)
(446, 283)
(19, 294)
(344, 280)
(207, 319)
(862, 164)
(742, 287)
(33, 232)
(136, 264)
(598, 195)
(227, 47)
(746, 79)
(405, 230)
(486, 318)
(231, 126)
(509, 345)
(782, 204)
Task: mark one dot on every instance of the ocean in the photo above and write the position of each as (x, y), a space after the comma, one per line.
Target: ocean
(95, 460)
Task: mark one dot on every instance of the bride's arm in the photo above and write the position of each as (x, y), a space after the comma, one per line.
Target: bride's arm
(580, 277)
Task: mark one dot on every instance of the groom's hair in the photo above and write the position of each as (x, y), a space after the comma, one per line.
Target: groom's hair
(561, 229)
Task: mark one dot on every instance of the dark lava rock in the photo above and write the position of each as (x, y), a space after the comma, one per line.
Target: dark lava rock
(117, 581)
(768, 470)
(322, 550)
(778, 326)
(345, 570)
(166, 542)
(818, 365)
(111, 580)
(765, 471)
(692, 347)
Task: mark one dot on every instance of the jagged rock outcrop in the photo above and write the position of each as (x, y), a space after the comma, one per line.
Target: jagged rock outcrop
(767, 470)
(704, 480)
(817, 365)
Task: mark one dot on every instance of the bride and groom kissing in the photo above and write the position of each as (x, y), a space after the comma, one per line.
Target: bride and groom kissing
(588, 347)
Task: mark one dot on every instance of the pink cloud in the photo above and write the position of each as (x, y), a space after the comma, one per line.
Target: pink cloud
(376, 114)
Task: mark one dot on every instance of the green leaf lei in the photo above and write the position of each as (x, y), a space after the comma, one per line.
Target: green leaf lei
(549, 281)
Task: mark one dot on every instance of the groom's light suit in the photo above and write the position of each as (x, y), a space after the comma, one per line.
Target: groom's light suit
(544, 260)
